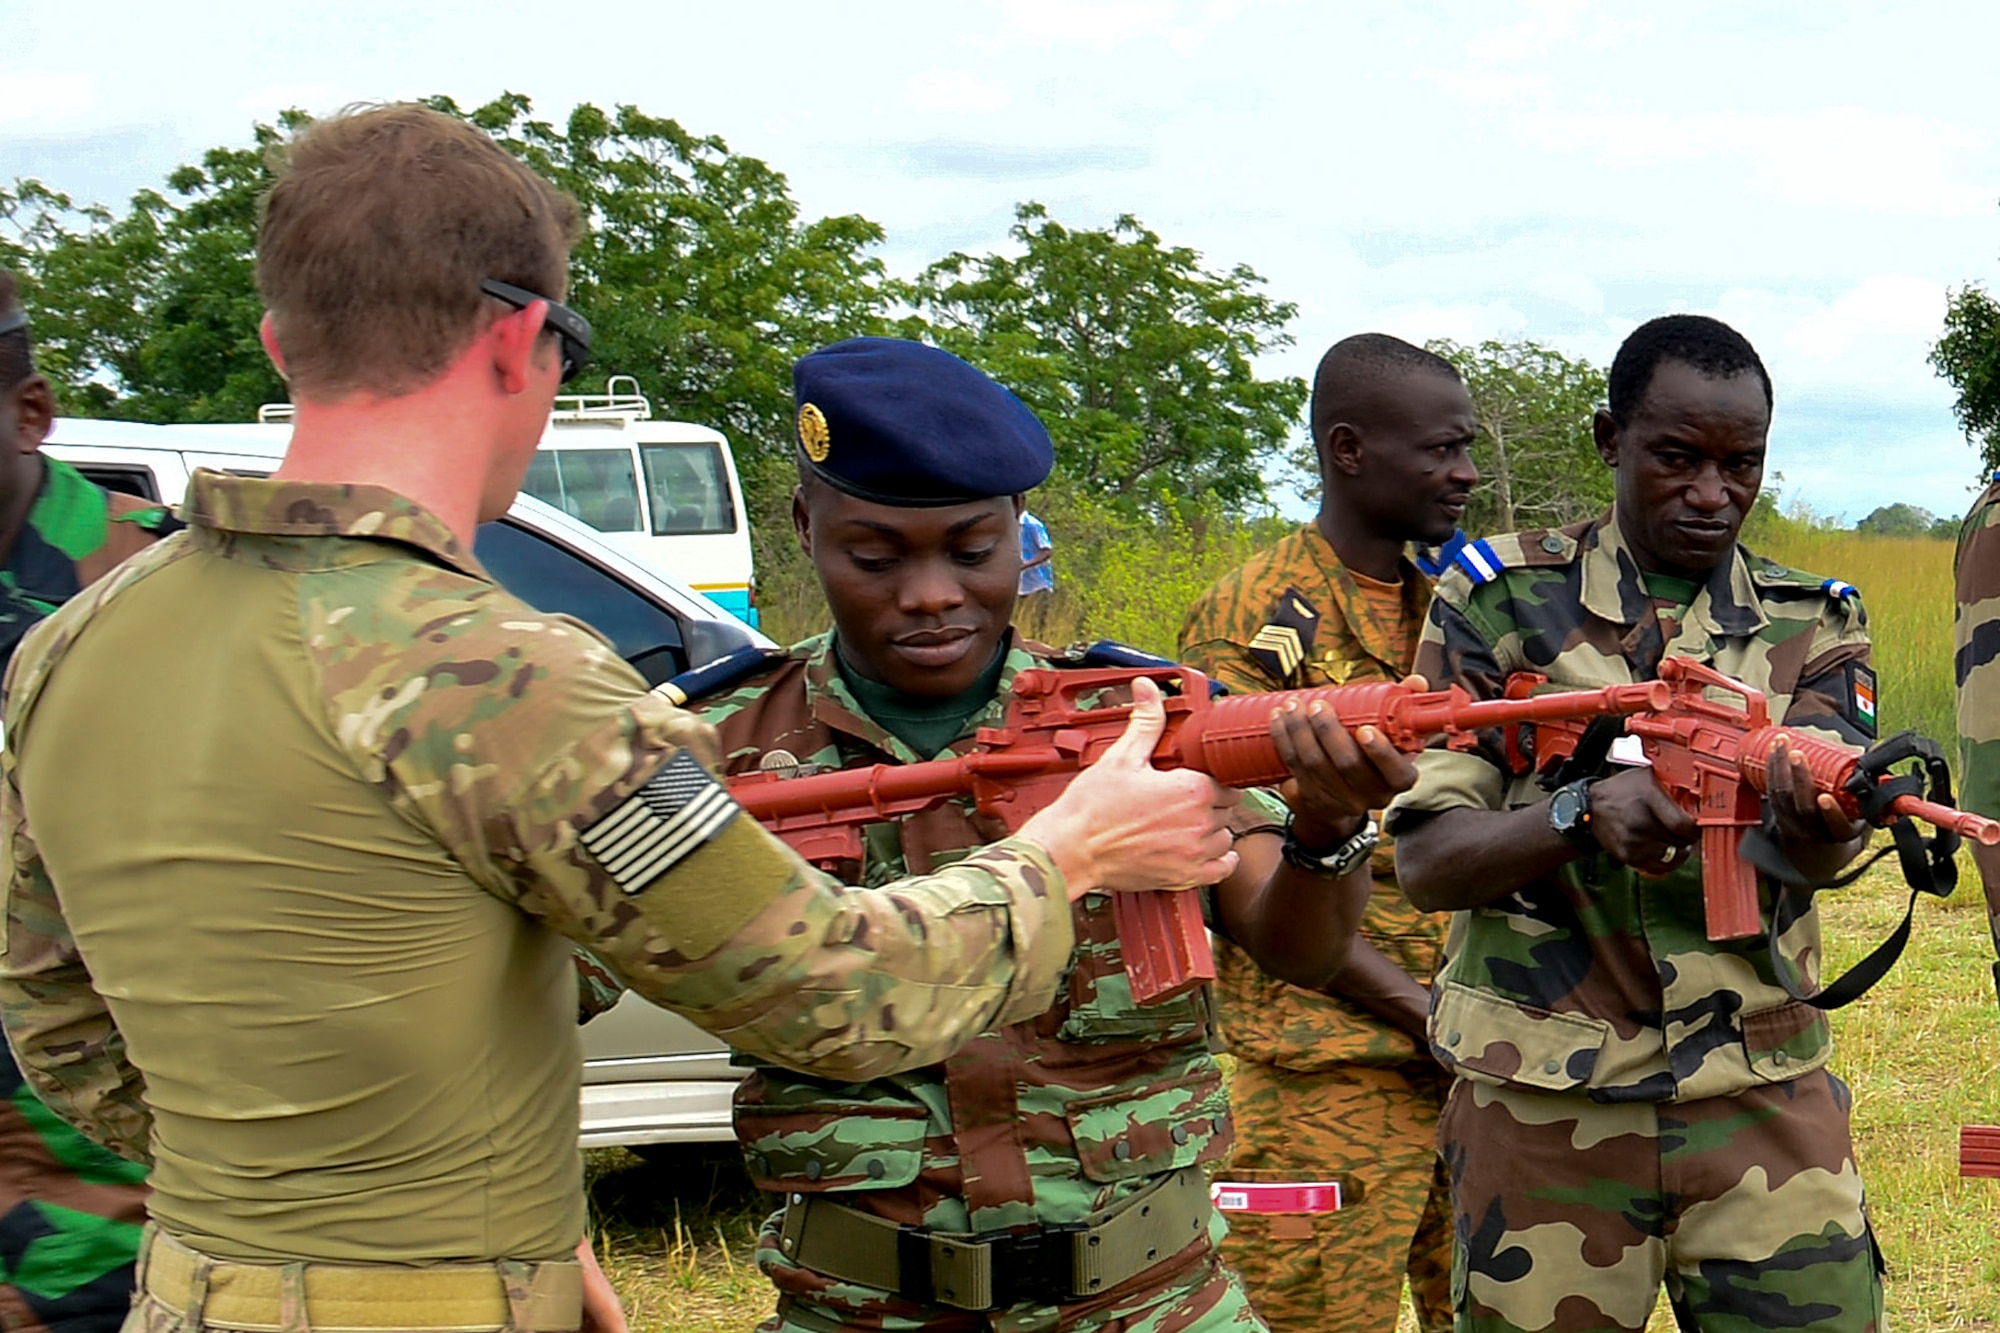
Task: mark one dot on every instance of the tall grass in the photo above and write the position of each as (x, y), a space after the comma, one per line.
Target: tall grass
(1905, 583)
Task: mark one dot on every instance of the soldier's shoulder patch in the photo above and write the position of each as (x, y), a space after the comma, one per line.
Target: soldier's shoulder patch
(724, 673)
(1435, 560)
(1860, 679)
(1481, 562)
(1782, 581)
(1287, 635)
(651, 831)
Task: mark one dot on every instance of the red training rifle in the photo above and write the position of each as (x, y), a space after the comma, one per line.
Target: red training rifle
(1710, 755)
(1058, 724)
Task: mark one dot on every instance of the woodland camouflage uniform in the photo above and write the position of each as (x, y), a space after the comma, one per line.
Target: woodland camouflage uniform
(1975, 631)
(389, 1077)
(1634, 1102)
(1322, 1088)
(1042, 1122)
(70, 1212)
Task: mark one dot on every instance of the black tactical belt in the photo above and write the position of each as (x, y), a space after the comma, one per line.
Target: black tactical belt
(1048, 1265)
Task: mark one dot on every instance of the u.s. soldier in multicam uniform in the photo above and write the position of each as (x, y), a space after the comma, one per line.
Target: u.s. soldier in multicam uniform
(1341, 1084)
(1633, 1102)
(328, 914)
(70, 1211)
(1975, 630)
(1065, 1152)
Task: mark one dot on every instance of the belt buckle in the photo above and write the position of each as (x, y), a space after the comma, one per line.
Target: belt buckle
(1036, 1264)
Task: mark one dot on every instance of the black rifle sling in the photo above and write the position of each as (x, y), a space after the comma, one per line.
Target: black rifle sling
(1928, 864)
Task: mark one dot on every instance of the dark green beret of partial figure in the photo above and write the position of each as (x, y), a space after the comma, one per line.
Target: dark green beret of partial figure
(902, 423)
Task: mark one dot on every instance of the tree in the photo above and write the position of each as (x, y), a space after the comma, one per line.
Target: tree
(697, 272)
(152, 315)
(1898, 520)
(1137, 357)
(1968, 357)
(1533, 407)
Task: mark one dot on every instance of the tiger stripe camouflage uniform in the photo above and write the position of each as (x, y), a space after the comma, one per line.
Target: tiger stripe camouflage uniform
(1039, 1122)
(70, 1212)
(390, 1077)
(1322, 1088)
(1975, 630)
(1633, 1102)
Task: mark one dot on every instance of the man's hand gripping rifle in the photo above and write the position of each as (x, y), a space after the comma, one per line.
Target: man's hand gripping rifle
(1059, 722)
(1712, 756)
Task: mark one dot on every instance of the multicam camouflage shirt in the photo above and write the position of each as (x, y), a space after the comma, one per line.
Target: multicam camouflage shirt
(1042, 1121)
(1595, 980)
(70, 1212)
(325, 911)
(1292, 618)
(1975, 632)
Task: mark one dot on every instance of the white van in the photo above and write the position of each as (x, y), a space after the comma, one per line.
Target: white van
(686, 521)
(688, 516)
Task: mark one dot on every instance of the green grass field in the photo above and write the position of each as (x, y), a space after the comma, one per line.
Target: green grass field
(1922, 1052)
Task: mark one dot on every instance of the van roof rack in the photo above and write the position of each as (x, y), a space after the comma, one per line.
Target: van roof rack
(621, 399)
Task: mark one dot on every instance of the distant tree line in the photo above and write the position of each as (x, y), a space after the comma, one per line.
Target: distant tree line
(704, 281)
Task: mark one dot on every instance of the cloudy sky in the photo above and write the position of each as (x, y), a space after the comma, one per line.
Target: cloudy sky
(1817, 173)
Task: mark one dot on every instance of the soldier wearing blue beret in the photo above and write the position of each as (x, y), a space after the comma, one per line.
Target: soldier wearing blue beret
(1049, 1174)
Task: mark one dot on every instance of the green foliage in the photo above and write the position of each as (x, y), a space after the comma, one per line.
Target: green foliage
(152, 315)
(1136, 356)
(1537, 461)
(1901, 520)
(697, 272)
(1968, 357)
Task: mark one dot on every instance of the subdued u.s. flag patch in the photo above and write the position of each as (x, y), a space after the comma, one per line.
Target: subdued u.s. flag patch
(644, 836)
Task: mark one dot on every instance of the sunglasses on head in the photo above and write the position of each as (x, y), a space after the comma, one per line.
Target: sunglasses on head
(14, 323)
(571, 329)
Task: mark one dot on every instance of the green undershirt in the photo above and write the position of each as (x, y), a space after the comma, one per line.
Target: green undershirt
(1671, 596)
(925, 725)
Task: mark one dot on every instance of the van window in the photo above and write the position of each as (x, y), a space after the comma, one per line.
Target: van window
(550, 578)
(688, 488)
(121, 479)
(597, 486)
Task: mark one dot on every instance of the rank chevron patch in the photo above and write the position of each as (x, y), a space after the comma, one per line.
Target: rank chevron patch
(1282, 642)
(644, 836)
(1286, 639)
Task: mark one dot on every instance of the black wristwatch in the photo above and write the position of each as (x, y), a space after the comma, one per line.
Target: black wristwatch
(1338, 861)
(1569, 814)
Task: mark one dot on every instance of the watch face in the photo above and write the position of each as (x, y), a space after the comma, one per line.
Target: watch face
(1565, 808)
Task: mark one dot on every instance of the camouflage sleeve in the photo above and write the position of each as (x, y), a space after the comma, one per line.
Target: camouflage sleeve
(597, 989)
(58, 1025)
(1835, 694)
(1455, 651)
(561, 785)
(1975, 632)
(1213, 643)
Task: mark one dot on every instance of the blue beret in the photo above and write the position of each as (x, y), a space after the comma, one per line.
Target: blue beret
(900, 423)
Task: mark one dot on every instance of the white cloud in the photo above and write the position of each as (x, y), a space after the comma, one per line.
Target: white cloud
(1099, 24)
(1848, 158)
(269, 100)
(1888, 305)
(959, 92)
(36, 97)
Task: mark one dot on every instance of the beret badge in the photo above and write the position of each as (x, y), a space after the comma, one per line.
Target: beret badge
(814, 437)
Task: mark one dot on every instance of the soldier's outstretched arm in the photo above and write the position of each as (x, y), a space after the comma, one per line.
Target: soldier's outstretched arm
(593, 807)
(63, 1038)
